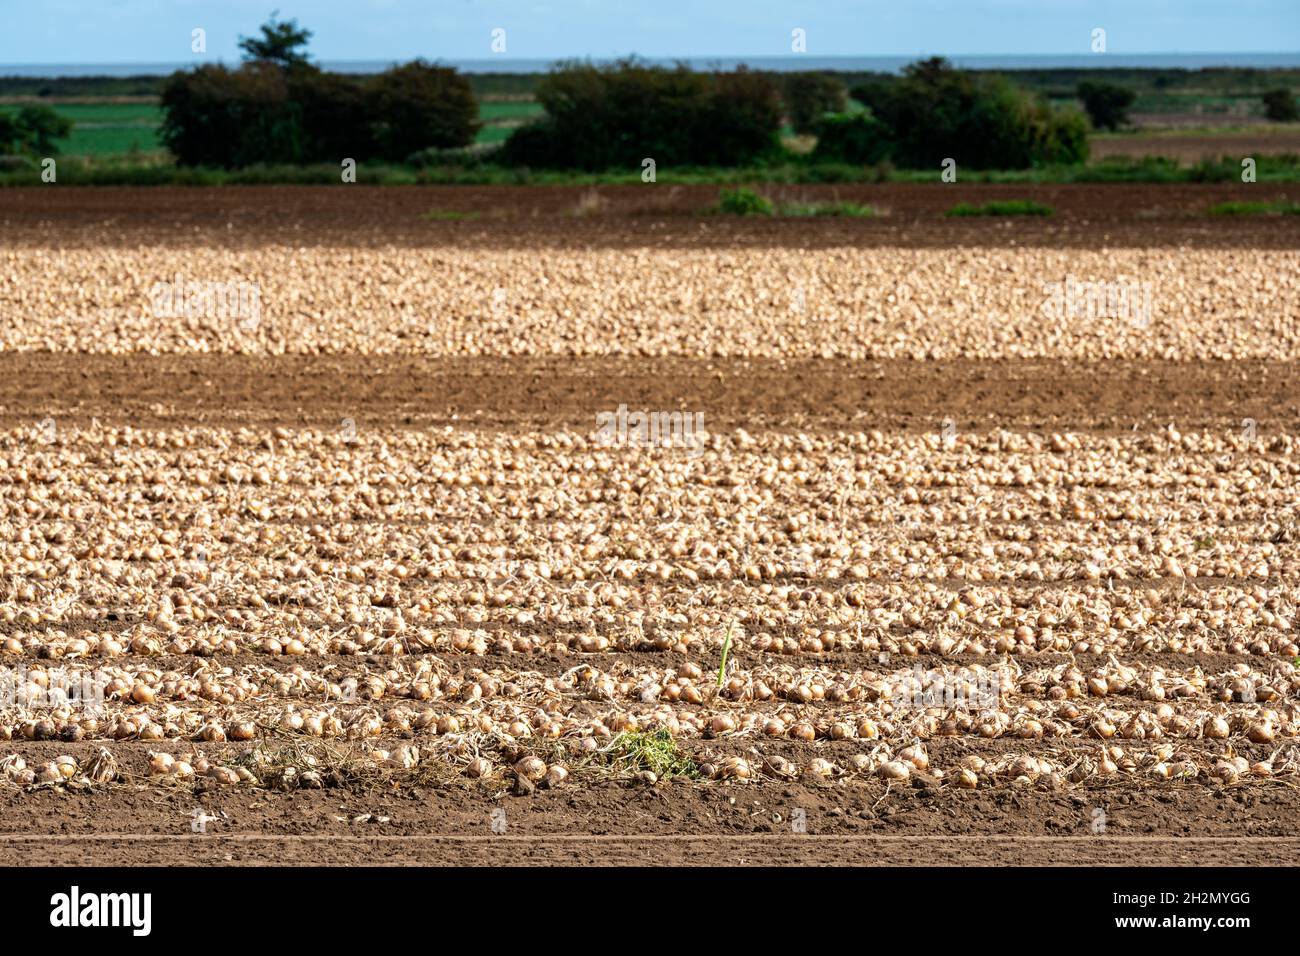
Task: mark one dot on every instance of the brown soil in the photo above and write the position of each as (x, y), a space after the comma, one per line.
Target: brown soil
(419, 392)
(856, 823)
(660, 215)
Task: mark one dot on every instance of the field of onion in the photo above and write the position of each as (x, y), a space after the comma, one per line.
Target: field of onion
(529, 608)
(512, 605)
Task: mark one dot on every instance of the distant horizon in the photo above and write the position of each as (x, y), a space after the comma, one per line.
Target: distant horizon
(515, 64)
(118, 32)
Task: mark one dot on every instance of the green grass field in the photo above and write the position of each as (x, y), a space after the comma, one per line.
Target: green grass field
(493, 112)
(500, 119)
(108, 129)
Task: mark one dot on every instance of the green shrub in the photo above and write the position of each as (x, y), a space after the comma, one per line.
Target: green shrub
(1124, 169)
(278, 108)
(856, 138)
(33, 131)
(334, 113)
(1214, 171)
(617, 115)
(744, 202)
(1106, 103)
(534, 144)
(1004, 207)
(809, 96)
(418, 105)
(935, 112)
(263, 113)
(874, 92)
(1058, 137)
(739, 122)
(214, 116)
(8, 134)
(1280, 106)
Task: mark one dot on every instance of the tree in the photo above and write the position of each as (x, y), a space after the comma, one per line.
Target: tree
(279, 43)
(1106, 103)
(38, 127)
(934, 112)
(1280, 106)
(335, 113)
(213, 116)
(856, 138)
(418, 105)
(809, 96)
(873, 91)
(8, 134)
(739, 121)
(616, 115)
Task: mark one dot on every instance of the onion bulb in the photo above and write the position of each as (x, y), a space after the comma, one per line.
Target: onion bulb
(531, 769)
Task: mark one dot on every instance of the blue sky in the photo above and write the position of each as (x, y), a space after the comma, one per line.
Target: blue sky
(122, 31)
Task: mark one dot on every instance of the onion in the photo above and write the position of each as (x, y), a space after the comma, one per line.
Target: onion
(722, 724)
(895, 770)
(554, 776)
(1225, 772)
(737, 768)
(780, 767)
(1260, 733)
(916, 756)
(448, 724)
(160, 763)
(531, 768)
(821, 767)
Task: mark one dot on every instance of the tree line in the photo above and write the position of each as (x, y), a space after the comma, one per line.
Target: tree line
(278, 108)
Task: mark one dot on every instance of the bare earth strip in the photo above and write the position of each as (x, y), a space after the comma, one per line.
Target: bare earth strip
(413, 392)
(671, 825)
(626, 217)
(669, 851)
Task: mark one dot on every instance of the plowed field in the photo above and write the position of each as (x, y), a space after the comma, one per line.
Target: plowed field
(380, 559)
